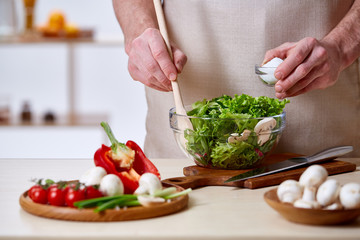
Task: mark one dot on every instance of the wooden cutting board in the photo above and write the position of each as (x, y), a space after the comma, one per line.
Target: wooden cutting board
(196, 176)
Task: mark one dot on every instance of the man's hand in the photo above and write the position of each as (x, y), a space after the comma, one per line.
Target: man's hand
(150, 62)
(316, 64)
(308, 65)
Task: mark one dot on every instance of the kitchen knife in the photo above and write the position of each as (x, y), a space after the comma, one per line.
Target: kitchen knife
(291, 163)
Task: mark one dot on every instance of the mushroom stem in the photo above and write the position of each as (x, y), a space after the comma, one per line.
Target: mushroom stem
(306, 204)
(309, 194)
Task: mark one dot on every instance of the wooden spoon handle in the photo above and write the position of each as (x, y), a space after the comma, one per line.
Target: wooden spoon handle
(162, 25)
(163, 30)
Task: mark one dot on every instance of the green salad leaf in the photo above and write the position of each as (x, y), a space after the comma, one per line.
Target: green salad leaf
(207, 142)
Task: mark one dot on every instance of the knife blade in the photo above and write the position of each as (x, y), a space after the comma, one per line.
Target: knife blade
(291, 163)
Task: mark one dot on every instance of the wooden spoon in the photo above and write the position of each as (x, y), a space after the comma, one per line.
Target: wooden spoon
(184, 122)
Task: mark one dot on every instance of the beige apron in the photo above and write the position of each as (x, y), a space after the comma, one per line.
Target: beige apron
(223, 39)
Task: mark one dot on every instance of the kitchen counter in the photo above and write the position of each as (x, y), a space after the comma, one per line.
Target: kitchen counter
(212, 212)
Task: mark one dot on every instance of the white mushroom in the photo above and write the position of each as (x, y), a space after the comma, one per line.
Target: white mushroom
(334, 206)
(93, 176)
(269, 68)
(234, 137)
(311, 179)
(149, 201)
(328, 192)
(350, 195)
(111, 185)
(263, 129)
(301, 203)
(289, 191)
(149, 183)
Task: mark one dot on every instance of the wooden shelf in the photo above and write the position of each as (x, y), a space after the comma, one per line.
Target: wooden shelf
(66, 120)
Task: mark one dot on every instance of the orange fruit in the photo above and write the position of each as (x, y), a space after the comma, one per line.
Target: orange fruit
(56, 20)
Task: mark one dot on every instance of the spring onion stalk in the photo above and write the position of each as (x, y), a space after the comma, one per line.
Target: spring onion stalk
(127, 200)
(98, 201)
(164, 192)
(115, 202)
(178, 194)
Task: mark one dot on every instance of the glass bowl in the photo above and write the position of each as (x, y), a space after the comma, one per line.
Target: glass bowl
(227, 143)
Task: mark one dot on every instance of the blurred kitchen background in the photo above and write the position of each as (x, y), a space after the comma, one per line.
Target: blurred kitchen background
(63, 70)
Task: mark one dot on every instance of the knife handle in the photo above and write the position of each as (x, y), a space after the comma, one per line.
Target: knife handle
(330, 153)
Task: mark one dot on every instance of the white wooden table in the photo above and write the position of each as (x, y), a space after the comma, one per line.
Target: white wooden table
(212, 213)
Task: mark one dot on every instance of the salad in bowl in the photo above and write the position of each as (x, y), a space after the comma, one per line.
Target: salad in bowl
(230, 132)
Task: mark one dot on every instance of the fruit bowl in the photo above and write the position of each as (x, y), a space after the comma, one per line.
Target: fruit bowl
(227, 143)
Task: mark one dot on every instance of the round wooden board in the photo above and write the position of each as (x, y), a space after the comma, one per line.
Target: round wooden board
(310, 216)
(88, 215)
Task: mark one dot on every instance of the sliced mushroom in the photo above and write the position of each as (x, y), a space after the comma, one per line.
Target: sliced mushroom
(350, 195)
(311, 179)
(245, 134)
(149, 201)
(328, 192)
(234, 137)
(263, 129)
(289, 191)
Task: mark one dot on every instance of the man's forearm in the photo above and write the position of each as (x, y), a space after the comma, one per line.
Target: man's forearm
(134, 16)
(346, 35)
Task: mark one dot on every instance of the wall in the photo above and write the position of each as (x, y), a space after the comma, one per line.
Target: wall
(38, 73)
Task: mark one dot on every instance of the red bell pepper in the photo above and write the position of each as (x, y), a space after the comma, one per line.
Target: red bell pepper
(129, 175)
(142, 164)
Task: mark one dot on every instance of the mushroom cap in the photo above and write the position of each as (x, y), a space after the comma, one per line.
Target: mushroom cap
(111, 185)
(289, 191)
(270, 68)
(93, 176)
(313, 176)
(148, 183)
(328, 192)
(350, 195)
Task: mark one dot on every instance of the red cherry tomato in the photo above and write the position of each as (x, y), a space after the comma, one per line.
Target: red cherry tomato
(92, 192)
(56, 196)
(70, 186)
(38, 194)
(33, 189)
(52, 187)
(74, 195)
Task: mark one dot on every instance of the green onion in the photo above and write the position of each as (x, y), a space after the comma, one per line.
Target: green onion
(165, 192)
(178, 194)
(96, 201)
(127, 200)
(121, 202)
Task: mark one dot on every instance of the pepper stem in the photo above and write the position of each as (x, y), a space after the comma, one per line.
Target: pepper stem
(114, 143)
